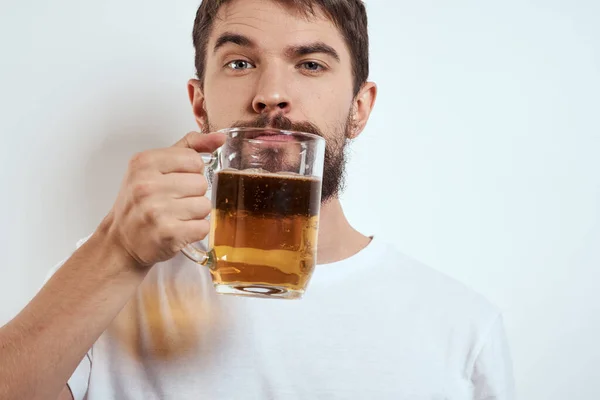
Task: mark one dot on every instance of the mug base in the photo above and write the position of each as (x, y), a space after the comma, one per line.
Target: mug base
(259, 291)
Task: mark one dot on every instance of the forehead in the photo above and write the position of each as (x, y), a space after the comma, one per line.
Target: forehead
(273, 25)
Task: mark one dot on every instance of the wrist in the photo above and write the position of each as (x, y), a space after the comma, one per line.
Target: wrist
(104, 242)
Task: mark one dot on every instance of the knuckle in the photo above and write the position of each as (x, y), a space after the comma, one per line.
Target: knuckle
(141, 190)
(171, 245)
(203, 184)
(174, 247)
(195, 160)
(200, 165)
(139, 161)
(205, 204)
(201, 209)
(152, 213)
(190, 136)
(202, 229)
(168, 230)
(168, 236)
(196, 230)
(185, 141)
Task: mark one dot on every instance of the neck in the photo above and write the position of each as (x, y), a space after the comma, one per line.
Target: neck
(338, 240)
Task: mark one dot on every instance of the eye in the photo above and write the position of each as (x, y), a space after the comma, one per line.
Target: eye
(239, 65)
(312, 66)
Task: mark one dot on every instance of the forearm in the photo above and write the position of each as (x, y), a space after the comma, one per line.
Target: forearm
(42, 346)
(160, 208)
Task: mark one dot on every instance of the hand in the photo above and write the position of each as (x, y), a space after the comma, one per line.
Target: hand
(161, 205)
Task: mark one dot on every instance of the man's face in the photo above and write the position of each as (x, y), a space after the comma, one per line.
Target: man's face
(267, 65)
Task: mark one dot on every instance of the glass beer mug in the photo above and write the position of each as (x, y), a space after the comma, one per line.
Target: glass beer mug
(266, 196)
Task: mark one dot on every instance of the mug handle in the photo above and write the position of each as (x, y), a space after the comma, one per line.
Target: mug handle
(205, 258)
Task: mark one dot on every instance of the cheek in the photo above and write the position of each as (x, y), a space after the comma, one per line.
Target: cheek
(226, 101)
(326, 108)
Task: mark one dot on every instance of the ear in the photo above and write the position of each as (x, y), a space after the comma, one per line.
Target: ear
(198, 104)
(362, 107)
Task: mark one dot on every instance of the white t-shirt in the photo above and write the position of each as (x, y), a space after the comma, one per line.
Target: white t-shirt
(375, 326)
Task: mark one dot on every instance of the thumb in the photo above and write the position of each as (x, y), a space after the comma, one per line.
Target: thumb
(201, 142)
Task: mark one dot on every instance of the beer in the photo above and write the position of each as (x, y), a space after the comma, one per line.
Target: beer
(264, 232)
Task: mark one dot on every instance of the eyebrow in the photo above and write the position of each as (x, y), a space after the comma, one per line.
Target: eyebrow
(312, 48)
(234, 38)
(291, 51)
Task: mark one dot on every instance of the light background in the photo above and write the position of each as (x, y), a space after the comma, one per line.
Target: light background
(481, 158)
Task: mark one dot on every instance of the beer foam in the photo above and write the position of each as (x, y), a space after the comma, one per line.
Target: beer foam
(264, 172)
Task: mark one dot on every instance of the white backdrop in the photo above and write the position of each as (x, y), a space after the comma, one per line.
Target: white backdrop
(482, 157)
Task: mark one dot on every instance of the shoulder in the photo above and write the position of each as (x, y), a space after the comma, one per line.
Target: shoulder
(438, 293)
(463, 319)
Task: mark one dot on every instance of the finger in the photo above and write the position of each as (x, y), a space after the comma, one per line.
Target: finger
(191, 208)
(182, 185)
(171, 160)
(201, 142)
(194, 230)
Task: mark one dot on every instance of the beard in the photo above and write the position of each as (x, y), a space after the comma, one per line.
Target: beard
(334, 171)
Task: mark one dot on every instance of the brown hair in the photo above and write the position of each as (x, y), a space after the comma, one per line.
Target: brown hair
(349, 16)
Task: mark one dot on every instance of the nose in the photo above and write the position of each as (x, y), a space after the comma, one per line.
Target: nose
(272, 95)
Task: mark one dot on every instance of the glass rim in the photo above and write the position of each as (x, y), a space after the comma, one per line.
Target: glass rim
(228, 131)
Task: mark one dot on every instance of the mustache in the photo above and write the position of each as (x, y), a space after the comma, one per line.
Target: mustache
(279, 121)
